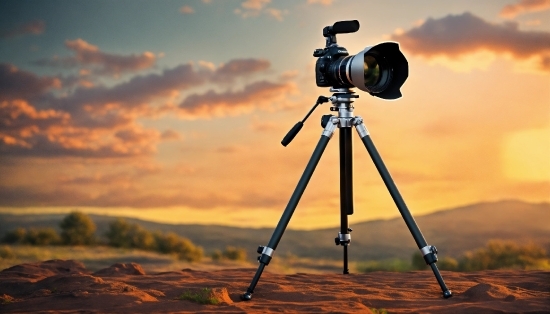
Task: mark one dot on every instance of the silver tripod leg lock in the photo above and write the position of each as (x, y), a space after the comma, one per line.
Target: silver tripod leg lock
(331, 127)
(360, 127)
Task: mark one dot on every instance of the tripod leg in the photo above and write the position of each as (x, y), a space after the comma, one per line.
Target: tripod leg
(346, 191)
(267, 251)
(429, 252)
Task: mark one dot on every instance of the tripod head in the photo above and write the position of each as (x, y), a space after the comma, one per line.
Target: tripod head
(341, 100)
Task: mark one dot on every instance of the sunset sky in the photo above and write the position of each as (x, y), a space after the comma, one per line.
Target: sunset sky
(174, 111)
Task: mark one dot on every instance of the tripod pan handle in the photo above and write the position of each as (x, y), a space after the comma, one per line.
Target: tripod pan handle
(292, 133)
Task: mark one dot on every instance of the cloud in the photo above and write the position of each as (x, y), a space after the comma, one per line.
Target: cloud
(87, 54)
(138, 93)
(323, 2)
(26, 131)
(256, 94)
(239, 68)
(524, 6)
(35, 27)
(276, 13)
(187, 10)
(18, 84)
(170, 135)
(254, 5)
(21, 122)
(100, 121)
(253, 8)
(455, 36)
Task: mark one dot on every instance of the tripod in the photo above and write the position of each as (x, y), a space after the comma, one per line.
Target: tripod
(342, 102)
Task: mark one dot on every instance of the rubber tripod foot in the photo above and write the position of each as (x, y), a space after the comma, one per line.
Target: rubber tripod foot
(246, 296)
(447, 294)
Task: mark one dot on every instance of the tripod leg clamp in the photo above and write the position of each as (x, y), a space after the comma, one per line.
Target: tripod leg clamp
(360, 127)
(430, 254)
(266, 256)
(343, 239)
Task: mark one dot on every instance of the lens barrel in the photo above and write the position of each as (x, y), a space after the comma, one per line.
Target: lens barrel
(379, 70)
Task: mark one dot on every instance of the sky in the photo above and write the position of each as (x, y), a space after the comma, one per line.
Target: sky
(173, 111)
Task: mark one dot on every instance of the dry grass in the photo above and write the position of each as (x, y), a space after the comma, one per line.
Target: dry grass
(99, 257)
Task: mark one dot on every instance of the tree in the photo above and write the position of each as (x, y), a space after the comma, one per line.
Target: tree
(77, 229)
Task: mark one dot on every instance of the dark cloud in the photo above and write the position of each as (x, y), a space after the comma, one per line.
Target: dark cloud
(18, 84)
(456, 35)
(239, 67)
(524, 6)
(140, 89)
(87, 54)
(252, 95)
(36, 27)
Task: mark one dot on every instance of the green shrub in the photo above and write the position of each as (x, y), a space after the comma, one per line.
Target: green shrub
(230, 253)
(128, 235)
(217, 255)
(447, 263)
(499, 254)
(42, 236)
(6, 253)
(182, 247)
(16, 236)
(384, 265)
(202, 296)
(77, 229)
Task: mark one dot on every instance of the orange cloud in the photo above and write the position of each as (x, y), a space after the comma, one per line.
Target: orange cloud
(252, 8)
(323, 2)
(36, 27)
(524, 6)
(454, 36)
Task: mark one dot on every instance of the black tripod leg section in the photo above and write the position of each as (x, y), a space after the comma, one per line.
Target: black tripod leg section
(429, 252)
(346, 191)
(267, 251)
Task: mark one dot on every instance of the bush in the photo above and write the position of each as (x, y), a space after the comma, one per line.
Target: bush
(42, 236)
(230, 253)
(172, 243)
(16, 236)
(6, 252)
(395, 264)
(217, 255)
(77, 229)
(127, 235)
(499, 254)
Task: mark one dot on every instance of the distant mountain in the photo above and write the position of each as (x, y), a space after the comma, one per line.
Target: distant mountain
(453, 232)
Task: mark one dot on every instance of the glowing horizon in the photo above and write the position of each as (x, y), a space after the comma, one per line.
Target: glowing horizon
(182, 120)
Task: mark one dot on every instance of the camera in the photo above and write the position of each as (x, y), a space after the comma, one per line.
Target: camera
(379, 70)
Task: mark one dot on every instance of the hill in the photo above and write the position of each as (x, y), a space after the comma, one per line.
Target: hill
(453, 231)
